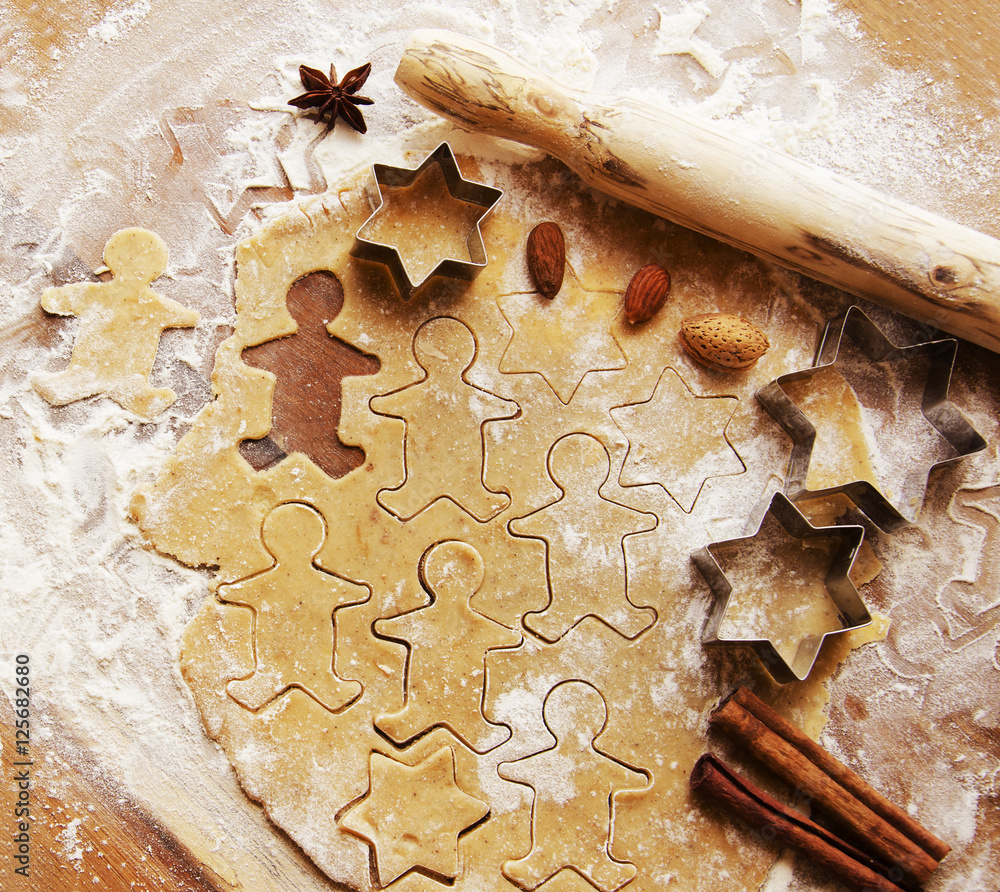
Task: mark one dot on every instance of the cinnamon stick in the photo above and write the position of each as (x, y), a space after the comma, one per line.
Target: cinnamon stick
(715, 779)
(843, 775)
(875, 833)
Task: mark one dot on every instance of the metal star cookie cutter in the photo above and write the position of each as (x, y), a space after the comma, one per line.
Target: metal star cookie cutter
(851, 609)
(468, 191)
(889, 514)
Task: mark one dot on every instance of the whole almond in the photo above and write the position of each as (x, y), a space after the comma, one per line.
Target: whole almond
(646, 293)
(724, 342)
(547, 258)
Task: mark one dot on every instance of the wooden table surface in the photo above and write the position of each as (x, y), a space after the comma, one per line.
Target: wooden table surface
(150, 833)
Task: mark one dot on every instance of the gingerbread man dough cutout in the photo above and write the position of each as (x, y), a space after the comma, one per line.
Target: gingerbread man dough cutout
(452, 465)
(574, 782)
(584, 535)
(120, 326)
(294, 603)
(448, 641)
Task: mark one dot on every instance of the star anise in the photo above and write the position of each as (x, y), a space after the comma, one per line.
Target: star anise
(334, 100)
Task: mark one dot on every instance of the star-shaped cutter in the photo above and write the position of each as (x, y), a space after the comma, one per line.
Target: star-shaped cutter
(889, 515)
(850, 606)
(464, 190)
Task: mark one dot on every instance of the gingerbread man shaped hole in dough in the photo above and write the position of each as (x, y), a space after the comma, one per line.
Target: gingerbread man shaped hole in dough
(309, 367)
(120, 326)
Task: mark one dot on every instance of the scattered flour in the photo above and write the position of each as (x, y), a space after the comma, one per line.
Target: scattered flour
(72, 850)
(677, 36)
(119, 21)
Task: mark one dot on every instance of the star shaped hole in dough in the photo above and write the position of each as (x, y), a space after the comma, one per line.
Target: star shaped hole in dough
(564, 338)
(676, 36)
(782, 590)
(426, 222)
(413, 815)
(677, 440)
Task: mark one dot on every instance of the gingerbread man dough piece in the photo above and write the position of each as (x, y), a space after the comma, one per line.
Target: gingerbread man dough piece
(294, 602)
(443, 400)
(575, 783)
(448, 642)
(120, 326)
(584, 535)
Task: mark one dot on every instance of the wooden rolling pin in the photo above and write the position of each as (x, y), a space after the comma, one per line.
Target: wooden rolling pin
(702, 177)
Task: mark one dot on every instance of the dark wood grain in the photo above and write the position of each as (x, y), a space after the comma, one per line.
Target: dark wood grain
(309, 366)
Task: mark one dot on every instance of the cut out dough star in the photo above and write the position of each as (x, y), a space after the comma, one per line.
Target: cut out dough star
(564, 338)
(413, 815)
(677, 439)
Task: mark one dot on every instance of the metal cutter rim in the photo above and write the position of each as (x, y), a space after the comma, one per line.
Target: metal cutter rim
(468, 191)
(943, 415)
(851, 608)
